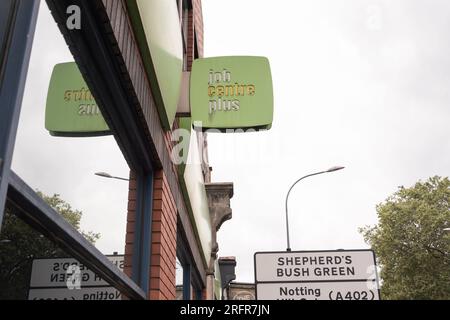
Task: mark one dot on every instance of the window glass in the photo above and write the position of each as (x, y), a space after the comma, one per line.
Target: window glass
(66, 166)
(33, 267)
(179, 280)
(61, 167)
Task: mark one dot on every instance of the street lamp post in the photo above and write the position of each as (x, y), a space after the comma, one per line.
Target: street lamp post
(287, 197)
(107, 175)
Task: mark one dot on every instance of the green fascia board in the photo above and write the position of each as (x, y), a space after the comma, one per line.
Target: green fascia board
(71, 110)
(217, 280)
(185, 123)
(80, 134)
(194, 193)
(234, 92)
(218, 289)
(163, 71)
(192, 218)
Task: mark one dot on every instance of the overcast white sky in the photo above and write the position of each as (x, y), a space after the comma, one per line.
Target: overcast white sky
(364, 84)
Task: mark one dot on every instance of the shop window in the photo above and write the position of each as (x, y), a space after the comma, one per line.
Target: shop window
(56, 164)
(34, 267)
(179, 281)
(57, 208)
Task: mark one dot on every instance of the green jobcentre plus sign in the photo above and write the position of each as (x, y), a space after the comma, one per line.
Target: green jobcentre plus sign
(231, 93)
(71, 109)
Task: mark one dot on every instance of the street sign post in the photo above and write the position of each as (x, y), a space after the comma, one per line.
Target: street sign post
(316, 275)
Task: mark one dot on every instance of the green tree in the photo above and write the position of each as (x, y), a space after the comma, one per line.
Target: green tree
(410, 242)
(71, 215)
(21, 244)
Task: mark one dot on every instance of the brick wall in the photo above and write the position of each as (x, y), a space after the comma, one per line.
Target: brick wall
(164, 237)
(164, 220)
(190, 41)
(198, 21)
(164, 241)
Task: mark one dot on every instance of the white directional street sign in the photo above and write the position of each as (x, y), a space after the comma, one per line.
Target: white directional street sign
(318, 291)
(68, 279)
(316, 275)
(96, 293)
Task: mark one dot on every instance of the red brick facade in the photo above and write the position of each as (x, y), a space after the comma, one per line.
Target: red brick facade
(164, 238)
(198, 22)
(164, 241)
(190, 41)
(164, 221)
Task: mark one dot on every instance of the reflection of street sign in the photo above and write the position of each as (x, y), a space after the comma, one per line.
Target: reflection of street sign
(105, 293)
(68, 279)
(320, 275)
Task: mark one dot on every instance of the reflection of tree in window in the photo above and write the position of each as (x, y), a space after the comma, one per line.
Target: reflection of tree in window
(20, 244)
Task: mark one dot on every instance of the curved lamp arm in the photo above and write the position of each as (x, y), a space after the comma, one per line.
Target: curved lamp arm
(287, 197)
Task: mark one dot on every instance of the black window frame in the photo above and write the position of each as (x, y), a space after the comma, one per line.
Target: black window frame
(191, 279)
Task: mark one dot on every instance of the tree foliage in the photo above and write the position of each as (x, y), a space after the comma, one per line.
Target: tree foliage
(21, 244)
(410, 242)
(71, 215)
